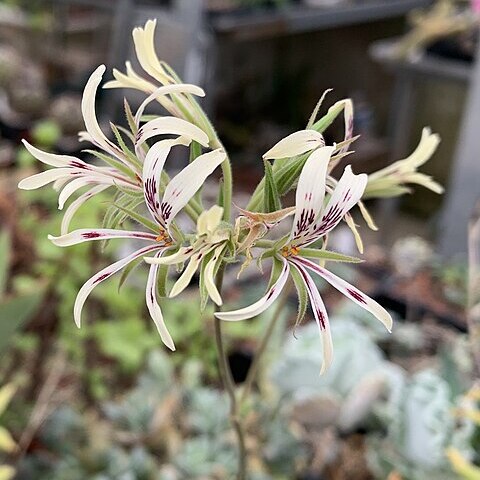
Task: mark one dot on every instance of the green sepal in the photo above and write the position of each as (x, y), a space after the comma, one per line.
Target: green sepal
(138, 218)
(314, 114)
(328, 255)
(130, 117)
(277, 267)
(131, 157)
(112, 162)
(201, 282)
(302, 295)
(333, 112)
(127, 271)
(271, 197)
(162, 279)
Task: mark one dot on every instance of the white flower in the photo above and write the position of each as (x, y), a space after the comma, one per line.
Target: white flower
(312, 221)
(210, 239)
(177, 194)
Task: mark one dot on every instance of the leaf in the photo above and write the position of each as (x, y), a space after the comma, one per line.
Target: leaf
(14, 314)
(271, 197)
(302, 295)
(328, 255)
(195, 150)
(201, 283)
(4, 259)
(162, 279)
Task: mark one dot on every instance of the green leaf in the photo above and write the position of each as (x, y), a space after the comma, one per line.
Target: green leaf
(4, 259)
(14, 313)
(301, 294)
(271, 197)
(201, 282)
(328, 255)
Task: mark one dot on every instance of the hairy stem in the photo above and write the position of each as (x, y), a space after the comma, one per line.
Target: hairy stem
(229, 386)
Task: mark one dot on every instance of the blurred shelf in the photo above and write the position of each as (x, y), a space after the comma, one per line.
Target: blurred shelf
(426, 65)
(301, 19)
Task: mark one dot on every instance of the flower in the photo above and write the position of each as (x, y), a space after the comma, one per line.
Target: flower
(177, 194)
(71, 174)
(312, 221)
(210, 238)
(392, 181)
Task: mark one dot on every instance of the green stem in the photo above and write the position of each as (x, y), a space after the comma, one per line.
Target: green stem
(229, 386)
(253, 370)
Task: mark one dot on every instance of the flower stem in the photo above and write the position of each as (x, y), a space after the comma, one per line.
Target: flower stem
(229, 386)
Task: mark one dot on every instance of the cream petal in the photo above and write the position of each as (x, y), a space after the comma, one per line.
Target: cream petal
(186, 277)
(351, 292)
(44, 178)
(295, 144)
(99, 277)
(95, 133)
(167, 90)
(183, 186)
(261, 305)
(347, 193)
(76, 204)
(154, 307)
(169, 126)
(53, 159)
(320, 314)
(310, 191)
(152, 169)
(183, 254)
(209, 278)
(87, 235)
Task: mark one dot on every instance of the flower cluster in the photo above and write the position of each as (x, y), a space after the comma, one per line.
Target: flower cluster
(132, 168)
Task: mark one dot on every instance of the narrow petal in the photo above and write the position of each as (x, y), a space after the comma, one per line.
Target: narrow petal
(53, 159)
(351, 292)
(320, 314)
(310, 192)
(167, 90)
(186, 277)
(152, 169)
(295, 144)
(261, 305)
(144, 41)
(99, 277)
(87, 235)
(154, 307)
(209, 275)
(44, 178)
(181, 256)
(90, 118)
(170, 126)
(183, 186)
(76, 204)
(347, 193)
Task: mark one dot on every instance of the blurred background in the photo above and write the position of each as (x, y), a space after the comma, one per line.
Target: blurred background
(107, 402)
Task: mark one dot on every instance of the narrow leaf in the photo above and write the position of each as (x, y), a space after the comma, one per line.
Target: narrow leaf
(328, 255)
(271, 197)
